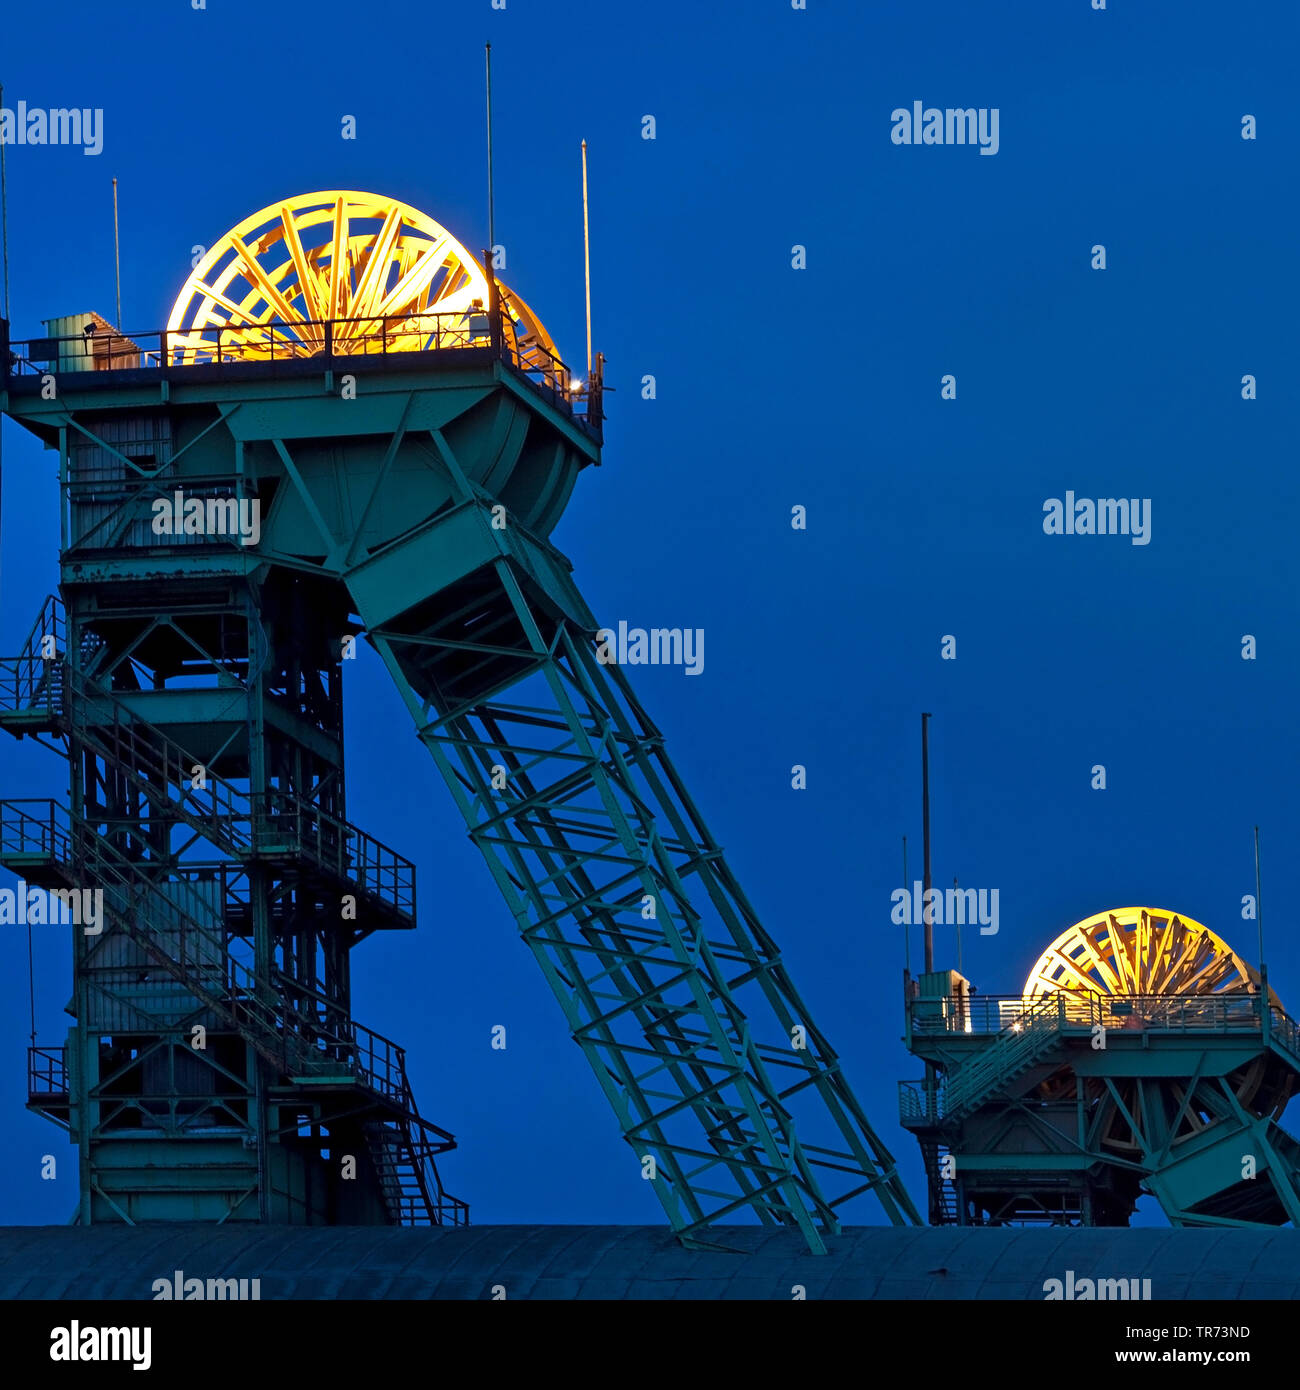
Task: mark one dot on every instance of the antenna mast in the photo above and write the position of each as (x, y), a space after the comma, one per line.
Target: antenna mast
(1259, 903)
(492, 236)
(4, 212)
(586, 253)
(927, 907)
(117, 260)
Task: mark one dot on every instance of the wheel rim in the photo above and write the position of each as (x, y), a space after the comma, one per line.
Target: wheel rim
(1140, 951)
(267, 287)
(1137, 952)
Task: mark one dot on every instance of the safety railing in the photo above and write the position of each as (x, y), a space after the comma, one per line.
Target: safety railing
(50, 624)
(1229, 1011)
(240, 822)
(445, 1209)
(1024, 1025)
(34, 829)
(194, 948)
(32, 682)
(1014, 1048)
(338, 846)
(30, 685)
(919, 1103)
(47, 1072)
(122, 513)
(1283, 1029)
(330, 1036)
(231, 347)
(243, 824)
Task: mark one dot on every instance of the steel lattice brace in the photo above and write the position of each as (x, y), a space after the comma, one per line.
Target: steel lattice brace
(670, 984)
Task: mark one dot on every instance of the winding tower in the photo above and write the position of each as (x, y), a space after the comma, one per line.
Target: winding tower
(400, 423)
(1143, 1056)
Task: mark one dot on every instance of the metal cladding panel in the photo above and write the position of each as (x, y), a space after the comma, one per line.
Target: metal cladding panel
(399, 404)
(602, 1262)
(450, 547)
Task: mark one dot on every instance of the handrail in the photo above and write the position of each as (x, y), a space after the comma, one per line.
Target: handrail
(31, 684)
(1029, 1023)
(1018, 1044)
(376, 1061)
(242, 823)
(47, 1071)
(25, 835)
(918, 1100)
(1226, 1011)
(1284, 1030)
(226, 346)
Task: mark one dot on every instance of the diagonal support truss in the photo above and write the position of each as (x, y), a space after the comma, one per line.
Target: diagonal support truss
(670, 985)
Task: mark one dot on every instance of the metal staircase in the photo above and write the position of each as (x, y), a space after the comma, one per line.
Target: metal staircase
(282, 1028)
(409, 1178)
(943, 1191)
(34, 693)
(31, 684)
(303, 1037)
(1014, 1052)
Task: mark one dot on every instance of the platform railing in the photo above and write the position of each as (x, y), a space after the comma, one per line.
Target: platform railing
(231, 347)
(47, 1072)
(1284, 1031)
(1021, 1026)
(921, 1104)
(31, 685)
(33, 828)
(1229, 1011)
(1014, 1048)
(337, 845)
(243, 823)
(197, 952)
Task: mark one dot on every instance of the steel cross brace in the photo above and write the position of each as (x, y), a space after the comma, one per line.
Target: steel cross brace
(590, 837)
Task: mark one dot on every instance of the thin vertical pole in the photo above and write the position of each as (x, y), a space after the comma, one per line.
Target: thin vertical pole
(586, 253)
(31, 983)
(4, 366)
(4, 212)
(1259, 902)
(907, 926)
(117, 259)
(492, 232)
(1265, 1011)
(933, 1181)
(958, 922)
(927, 909)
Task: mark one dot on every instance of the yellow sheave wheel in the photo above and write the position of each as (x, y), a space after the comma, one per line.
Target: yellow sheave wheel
(1144, 959)
(1140, 950)
(386, 275)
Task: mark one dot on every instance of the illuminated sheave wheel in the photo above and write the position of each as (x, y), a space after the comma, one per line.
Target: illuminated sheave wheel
(383, 275)
(1153, 967)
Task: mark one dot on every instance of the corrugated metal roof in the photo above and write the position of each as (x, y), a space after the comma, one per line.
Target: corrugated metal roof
(603, 1262)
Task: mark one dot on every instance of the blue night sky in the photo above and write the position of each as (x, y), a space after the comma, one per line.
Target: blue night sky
(776, 388)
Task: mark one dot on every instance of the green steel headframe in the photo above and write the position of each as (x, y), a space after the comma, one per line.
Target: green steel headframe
(424, 498)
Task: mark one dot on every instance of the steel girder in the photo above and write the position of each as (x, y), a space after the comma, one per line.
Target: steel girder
(670, 985)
